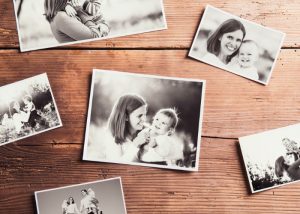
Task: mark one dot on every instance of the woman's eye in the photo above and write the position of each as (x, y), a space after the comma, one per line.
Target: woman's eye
(239, 40)
(230, 37)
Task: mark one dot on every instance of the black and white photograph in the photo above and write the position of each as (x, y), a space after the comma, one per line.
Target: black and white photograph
(271, 158)
(236, 45)
(98, 197)
(27, 108)
(51, 23)
(144, 120)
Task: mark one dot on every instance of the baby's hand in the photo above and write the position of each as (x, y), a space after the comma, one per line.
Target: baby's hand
(70, 11)
(104, 29)
(141, 139)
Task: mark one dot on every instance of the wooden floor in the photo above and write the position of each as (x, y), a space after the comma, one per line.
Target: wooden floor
(234, 107)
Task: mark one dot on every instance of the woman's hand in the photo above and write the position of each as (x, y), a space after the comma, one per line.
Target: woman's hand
(70, 11)
(104, 29)
(141, 138)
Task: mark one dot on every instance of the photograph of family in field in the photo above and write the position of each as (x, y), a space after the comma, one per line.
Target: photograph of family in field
(236, 45)
(27, 108)
(50, 23)
(271, 158)
(100, 197)
(144, 120)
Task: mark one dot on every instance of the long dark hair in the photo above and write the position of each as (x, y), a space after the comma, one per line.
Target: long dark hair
(52, 7)
(118, 119)
(280, 166)
(213, 42)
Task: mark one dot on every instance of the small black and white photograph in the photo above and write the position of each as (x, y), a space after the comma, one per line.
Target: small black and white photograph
(51, 23)
(236, 45)
(271, 158)
(27, 108)
(144, 120)
(98, 197)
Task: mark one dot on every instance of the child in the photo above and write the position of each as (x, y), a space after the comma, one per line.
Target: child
(246, 58)
(159, 146)
(30, 108)
(93, 8)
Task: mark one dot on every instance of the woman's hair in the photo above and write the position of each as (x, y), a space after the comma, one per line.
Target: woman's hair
(68, 202)
(280, 166)
(213, 42)
(52, 7)
(119, 117)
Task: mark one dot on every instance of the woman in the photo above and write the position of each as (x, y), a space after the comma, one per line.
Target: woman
(292, 170)
(19, 117)
(66, 28)
(224, 43)
(126, 120)
(71, 207)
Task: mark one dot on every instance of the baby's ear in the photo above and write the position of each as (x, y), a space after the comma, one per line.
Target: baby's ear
(171, 131)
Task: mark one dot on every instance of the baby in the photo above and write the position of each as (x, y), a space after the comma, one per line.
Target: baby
(158, 147)
(92, 8)
(30, 107)
(246, 58)
(292, 149)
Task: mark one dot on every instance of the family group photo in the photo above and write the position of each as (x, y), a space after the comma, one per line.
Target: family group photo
(50, 23)
(100, 197)
(236, 45)
(144, 120)
(272, 158)
(27, 108)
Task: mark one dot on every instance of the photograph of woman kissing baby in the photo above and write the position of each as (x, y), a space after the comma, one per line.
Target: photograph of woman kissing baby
(236, 45)
(144, 120)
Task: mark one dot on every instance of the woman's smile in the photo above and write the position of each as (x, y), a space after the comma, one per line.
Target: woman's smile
(230, 42)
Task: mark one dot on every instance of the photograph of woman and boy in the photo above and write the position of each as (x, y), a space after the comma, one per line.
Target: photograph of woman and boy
(27, 108)
(236, 45)
(50, 23)
(98, 197)
(145, 120)
(277, 166)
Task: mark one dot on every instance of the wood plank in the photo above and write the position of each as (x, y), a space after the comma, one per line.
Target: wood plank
(234, 106)
(183, 17)
(219, 187)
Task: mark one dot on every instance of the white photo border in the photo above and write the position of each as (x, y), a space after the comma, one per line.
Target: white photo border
(85, 40)
(194, 169)
(244, 20)
(244, 160)
(53, 99)
(81, 184)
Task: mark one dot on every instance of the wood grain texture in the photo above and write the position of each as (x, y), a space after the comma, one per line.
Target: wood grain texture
(183, 18)
(234, 107)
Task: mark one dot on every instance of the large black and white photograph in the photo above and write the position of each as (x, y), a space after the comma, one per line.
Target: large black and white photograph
(27, 108)
(271, 158)
(50, 23)
(236, 45)
(144, 120)
(99, 197)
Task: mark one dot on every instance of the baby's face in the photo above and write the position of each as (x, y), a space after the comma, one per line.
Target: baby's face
(161, 124)
(248, 55)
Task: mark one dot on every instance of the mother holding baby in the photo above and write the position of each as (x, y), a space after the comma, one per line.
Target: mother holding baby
(225, 42)
(71, 20)
(125, 122)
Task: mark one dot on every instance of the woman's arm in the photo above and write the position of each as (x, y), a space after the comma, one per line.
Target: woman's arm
(74, 28)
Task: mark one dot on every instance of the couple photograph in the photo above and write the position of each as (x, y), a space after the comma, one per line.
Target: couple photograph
(27, 108)
(236, 45)
(144, 120)
(50, 23)
(99, 197)
(272, 158)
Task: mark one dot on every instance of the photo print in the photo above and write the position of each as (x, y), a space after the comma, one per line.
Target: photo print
(271, 158)
(236, 45)
(99, 197)
(27, 108)
(144, 120)
(50, 23)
